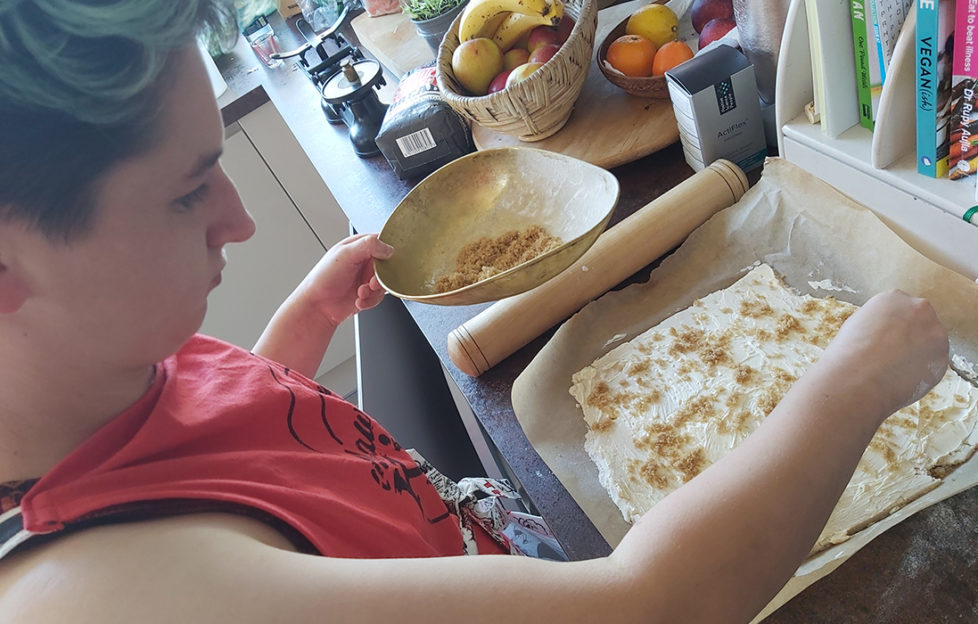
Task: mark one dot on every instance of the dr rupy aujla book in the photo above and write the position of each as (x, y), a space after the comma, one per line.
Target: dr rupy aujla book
(963, 148)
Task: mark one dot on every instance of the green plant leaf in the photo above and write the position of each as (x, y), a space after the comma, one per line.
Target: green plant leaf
(426, 9)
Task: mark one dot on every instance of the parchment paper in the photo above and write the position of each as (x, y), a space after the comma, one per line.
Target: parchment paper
(823, 243)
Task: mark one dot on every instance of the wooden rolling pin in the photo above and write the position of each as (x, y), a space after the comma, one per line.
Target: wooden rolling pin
(501, 329)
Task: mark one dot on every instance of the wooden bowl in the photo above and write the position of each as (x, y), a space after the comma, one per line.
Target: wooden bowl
(537, 107)
(654, 87)
(484, 195)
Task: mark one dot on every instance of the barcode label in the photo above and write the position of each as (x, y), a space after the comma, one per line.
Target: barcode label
(416, 142)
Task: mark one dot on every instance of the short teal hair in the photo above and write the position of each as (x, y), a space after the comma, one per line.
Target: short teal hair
(80, 89)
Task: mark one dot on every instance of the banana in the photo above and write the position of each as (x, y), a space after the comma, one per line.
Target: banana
(516, 26)
(477, 15)
(491, 24)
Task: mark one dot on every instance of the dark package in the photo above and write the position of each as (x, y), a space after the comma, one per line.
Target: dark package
(420, 131)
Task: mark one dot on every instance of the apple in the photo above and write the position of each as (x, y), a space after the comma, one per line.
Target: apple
(564, 28)
(522, 73)
(702, 11)
(475, 63)
(499, 82)
(515, 57)
(715, 29)
(544, 53)
(541, 36)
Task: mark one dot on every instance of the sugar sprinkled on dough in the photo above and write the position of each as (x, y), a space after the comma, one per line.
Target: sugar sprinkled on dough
(665, 405)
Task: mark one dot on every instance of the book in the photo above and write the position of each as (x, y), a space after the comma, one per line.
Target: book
(861, 44)
(833, 68)
(888, 18)
(963, 147)
(814, 44)
(934, 48)
(874, 25)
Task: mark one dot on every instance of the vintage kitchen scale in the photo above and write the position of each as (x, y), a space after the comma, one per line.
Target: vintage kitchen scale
(347, 82)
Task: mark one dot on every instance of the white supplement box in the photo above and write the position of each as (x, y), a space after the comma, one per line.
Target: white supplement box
(714, 96)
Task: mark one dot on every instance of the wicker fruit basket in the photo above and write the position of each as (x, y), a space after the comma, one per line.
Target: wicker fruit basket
(535, 108)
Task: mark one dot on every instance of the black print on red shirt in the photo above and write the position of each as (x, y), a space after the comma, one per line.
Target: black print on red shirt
(390, 473)
(373, 447)
(290, 419)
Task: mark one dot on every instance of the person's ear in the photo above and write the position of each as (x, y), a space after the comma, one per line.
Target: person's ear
(13, 287)
(13, 290)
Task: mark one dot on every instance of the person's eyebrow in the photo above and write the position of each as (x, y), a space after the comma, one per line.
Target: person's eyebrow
(204, 164)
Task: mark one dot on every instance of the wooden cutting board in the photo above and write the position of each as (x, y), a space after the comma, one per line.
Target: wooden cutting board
(392, 40)
(607, 128)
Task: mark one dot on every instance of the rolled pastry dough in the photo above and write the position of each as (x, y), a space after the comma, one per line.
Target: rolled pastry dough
(677, 398)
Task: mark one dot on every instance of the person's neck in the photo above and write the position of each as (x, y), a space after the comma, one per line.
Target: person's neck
(50, 404)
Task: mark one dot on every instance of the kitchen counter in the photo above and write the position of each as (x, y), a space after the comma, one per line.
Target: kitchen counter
(925, 570)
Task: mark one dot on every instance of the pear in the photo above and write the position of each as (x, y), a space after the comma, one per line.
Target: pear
(475, 63)
(515, 57)
(522, 73)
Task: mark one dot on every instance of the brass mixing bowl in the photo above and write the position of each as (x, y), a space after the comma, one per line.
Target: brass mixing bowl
(486, 194)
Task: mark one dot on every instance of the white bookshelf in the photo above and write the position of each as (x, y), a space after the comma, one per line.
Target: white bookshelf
(877, 169)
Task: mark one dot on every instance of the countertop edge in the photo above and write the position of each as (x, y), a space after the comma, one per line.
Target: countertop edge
(237, 107)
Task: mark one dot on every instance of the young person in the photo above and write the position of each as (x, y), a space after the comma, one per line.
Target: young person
(182, 479)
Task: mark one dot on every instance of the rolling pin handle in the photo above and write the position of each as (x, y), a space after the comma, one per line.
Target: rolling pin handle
(465, 353)
(733, 175)
(498, 331)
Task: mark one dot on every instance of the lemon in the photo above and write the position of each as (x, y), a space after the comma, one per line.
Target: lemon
(655, 22)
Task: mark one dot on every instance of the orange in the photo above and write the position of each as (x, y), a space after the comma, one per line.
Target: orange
(631, 55)
(670, 55)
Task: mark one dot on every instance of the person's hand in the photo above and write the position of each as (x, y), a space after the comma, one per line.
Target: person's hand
(343, 282)
(894, 346)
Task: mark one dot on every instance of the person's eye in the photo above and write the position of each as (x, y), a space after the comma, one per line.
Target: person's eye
(190, 199)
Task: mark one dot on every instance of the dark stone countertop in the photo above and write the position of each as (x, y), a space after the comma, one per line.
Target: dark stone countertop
(923, 571)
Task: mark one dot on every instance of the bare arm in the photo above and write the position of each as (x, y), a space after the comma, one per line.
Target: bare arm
(714, 551)
(742, 527)
(341, 284)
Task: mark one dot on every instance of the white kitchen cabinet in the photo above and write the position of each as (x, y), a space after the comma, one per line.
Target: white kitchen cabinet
(297, 219)
(877, 169)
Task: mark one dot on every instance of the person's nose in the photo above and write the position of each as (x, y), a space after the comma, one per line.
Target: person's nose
(232, 224)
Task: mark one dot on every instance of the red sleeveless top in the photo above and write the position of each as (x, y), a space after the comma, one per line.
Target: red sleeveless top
(222, 424)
